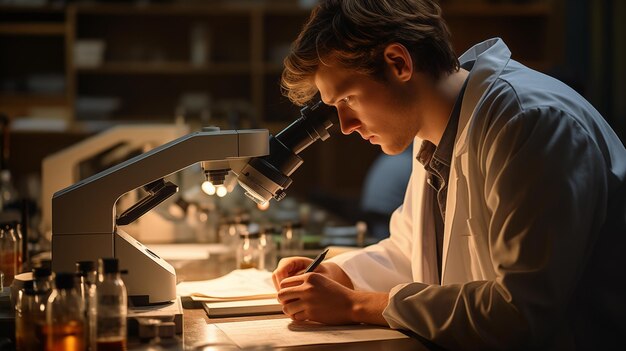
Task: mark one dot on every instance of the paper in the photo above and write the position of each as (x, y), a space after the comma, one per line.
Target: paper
(240, 284)
(284, 332)
(242, 308)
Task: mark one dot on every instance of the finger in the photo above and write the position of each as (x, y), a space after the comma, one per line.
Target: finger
(294, 307)
(287, 267)
(275, 281)
(291, 282)
(281, 272)
(284, 296)
(300, 316)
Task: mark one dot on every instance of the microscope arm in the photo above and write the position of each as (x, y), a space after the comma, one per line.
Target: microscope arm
(89, 205)
(60, 169)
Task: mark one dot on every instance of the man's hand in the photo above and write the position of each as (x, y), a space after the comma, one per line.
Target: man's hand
(325, 296)
(292, 266)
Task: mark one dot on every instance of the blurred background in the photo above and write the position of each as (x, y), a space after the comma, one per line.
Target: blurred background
(72, 69)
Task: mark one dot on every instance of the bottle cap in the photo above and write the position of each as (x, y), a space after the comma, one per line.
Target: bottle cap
(249, 234)
(108, 265)
(28, 287)
(84, 267)
(42, 272)
(64, 280)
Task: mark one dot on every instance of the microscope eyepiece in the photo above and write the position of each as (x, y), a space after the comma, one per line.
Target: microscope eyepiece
(267, 177)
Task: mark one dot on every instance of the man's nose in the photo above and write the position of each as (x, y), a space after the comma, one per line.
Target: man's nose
(348, 120)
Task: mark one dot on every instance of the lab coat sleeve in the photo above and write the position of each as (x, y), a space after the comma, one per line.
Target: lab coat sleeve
(382, 266)
(544, 187)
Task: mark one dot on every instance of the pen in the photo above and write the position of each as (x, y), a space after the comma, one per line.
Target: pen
(316, 262)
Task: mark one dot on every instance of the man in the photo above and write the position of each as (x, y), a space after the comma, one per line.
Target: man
(513, 223)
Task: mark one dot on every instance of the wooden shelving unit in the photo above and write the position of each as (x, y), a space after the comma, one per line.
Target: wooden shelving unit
(148, 65)
(246, 40)
(166, 68)
(34, 43)
(33, 28)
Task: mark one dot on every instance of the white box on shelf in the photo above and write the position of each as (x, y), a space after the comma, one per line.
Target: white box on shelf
(89, 52)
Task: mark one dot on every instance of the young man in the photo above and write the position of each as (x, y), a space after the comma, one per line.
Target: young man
(513, 224)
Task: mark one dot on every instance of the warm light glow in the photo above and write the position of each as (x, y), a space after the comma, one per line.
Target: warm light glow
(208, 188)
(175, 211)
(221, 191)
(264, 206)
(203, 217)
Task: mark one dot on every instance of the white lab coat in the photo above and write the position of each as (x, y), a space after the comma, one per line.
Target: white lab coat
(534, 225)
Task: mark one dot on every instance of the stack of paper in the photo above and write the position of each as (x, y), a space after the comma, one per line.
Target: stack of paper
(241, 292)
(283, 332)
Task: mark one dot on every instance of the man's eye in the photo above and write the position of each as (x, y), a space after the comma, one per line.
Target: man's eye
(347, 100)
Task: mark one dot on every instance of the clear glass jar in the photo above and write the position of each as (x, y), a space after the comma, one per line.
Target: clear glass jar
(28, 315)
(86, 275)
(291, 242)
(9, 253)
(269, 249)
(250, 252)
(111, 306)
(65, 316)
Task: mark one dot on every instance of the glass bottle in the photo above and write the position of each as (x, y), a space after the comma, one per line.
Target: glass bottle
(250, 253)
(42, 285)
(111, 308)
(269, 249)
(17, 228)
(42, 280)
(65, 314)
(86, 275)
(291, 241)
(8, 194)
(28, 315)
(8, 253)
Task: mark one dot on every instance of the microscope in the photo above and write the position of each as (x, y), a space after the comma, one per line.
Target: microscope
(84, 219)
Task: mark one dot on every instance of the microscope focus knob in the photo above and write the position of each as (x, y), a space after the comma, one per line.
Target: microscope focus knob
(279, 195)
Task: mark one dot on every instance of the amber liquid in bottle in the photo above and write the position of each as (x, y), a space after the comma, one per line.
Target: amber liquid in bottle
(65, 337)
(111, 345)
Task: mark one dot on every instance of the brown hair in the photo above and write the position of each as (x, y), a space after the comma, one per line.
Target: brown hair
(354, 33)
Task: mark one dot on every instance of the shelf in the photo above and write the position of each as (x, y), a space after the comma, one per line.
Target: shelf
(45, 9)
(273, 68)
(485, 9)
(25, 99)
(191, 9)
(166, 68)
(33, 29)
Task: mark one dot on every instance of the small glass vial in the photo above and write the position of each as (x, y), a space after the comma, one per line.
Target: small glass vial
(19, 258)
(42, 285)
(9, 252)
(42, 280)
(291, 242)
(269, 249)
(250, 252)
(65, 316)
(28, 319)
(111, 306)
(86, 276)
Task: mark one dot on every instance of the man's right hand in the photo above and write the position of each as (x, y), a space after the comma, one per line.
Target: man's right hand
(291, 266)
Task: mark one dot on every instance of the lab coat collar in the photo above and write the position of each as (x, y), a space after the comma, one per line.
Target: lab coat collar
(489, 59)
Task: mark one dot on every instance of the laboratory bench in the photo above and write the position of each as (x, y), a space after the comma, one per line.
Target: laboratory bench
(201, 332)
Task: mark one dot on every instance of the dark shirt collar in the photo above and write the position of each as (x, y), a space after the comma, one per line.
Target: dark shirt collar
(443, 152)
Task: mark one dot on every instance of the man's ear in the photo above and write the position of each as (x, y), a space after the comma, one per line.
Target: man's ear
(399, 61)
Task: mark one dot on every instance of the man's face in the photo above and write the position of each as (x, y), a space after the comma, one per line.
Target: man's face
(377, 110)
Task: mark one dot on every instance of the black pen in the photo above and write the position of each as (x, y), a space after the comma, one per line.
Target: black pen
(316, 262)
